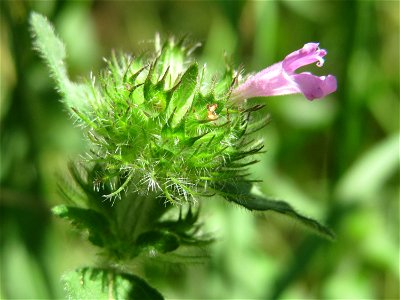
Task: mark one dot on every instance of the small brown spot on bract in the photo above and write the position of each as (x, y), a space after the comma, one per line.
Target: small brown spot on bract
(211, 114)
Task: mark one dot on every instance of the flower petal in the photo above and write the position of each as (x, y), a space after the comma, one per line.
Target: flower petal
(314, 87)
(268, 82)
(310, 53)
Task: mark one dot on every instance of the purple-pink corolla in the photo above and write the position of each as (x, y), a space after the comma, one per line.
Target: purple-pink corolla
(281, 79)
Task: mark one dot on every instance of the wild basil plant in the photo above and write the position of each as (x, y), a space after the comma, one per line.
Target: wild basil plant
(164, 136)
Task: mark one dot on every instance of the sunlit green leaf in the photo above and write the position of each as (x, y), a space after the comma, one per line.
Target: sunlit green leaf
(51, 48)
(96, 283)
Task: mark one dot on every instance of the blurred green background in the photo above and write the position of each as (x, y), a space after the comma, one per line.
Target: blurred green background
(336, 159)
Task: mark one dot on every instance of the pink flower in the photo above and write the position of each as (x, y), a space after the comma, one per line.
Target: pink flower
(281, 79)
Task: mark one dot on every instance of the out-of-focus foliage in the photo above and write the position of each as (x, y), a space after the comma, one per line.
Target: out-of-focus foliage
(337, 158)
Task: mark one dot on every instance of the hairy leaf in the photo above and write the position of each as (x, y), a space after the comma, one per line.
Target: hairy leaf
(240, 194)
(100, 283)
(157, 241)
(96, 224)
(52, 49)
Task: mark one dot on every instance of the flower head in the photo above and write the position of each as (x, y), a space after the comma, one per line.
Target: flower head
(281, 79)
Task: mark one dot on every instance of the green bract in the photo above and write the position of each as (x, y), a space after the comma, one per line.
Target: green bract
(160, 124)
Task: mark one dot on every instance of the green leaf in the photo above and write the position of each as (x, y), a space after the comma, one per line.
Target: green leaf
(51, 49)
(240, 194)
(157, 241)
(187, 228)
(96, 224)
(99, 283)
(182, 96)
